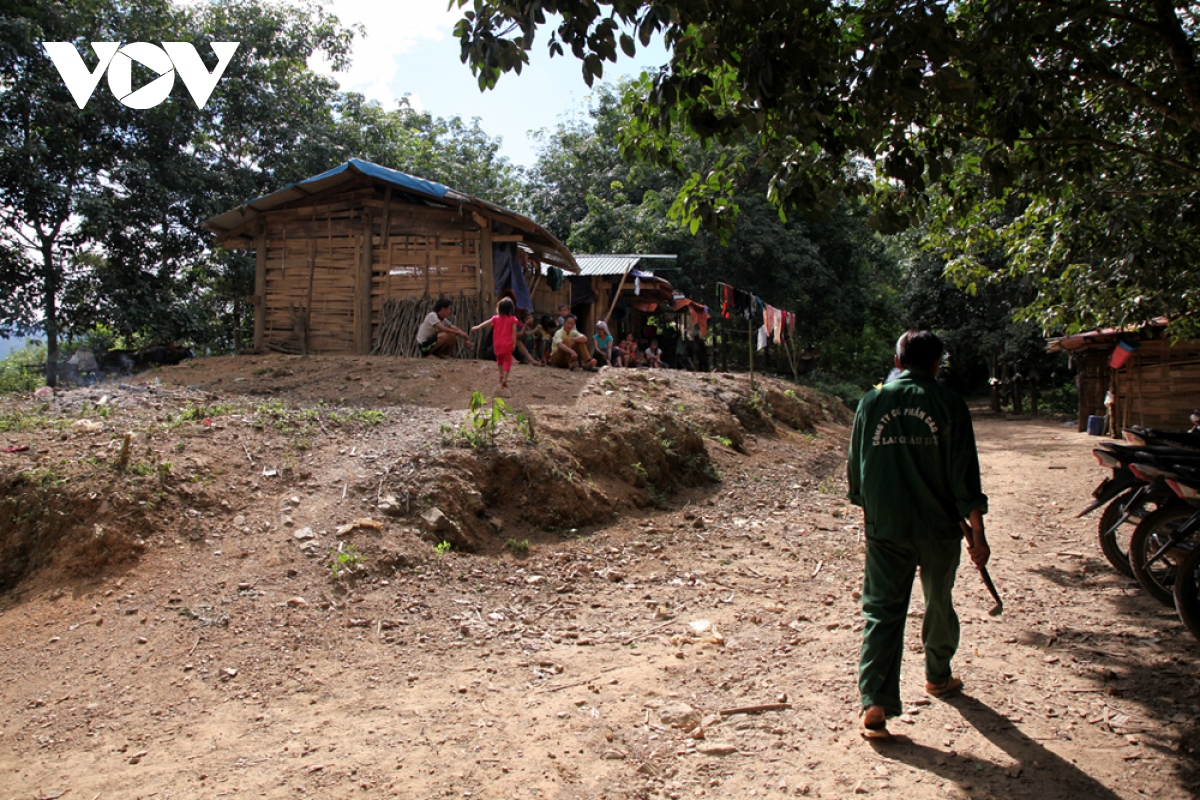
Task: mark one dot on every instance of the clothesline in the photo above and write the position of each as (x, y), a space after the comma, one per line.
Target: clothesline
(777, 323)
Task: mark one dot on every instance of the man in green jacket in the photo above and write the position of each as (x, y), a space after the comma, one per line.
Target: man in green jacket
(914, 470)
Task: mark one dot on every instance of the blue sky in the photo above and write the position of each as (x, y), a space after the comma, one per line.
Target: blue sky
(410, 48)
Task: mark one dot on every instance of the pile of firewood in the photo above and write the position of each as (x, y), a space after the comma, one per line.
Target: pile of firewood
(397, 334)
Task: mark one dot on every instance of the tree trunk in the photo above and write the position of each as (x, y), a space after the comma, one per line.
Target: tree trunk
(50, 310)
(1018, 400)
(994, 400)
(1034, 395)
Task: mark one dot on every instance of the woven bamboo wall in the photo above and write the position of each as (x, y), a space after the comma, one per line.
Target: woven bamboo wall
(311, 260)
(313, 254)
(1159, 386)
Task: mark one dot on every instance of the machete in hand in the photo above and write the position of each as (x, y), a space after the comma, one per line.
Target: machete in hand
(998, 609)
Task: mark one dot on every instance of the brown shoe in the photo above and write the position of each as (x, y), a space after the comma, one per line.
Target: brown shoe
(949, 688)
(875, 723)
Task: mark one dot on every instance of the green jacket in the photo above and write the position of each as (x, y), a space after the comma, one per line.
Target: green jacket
(913, 465)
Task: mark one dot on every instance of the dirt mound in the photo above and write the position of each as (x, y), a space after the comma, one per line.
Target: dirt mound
(567, 452)
(66, 531)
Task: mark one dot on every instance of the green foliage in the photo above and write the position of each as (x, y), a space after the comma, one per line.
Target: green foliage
(1062, 399)
(848, 391)
(198, 412)
(344, 560)
(442, 548)
(518, 547)
(1084, 119)
(20, 369)
(364, 416)
(833, 271)
(485, 421)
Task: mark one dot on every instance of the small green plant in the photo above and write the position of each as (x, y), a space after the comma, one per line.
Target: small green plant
(656, 497)
(442, 548)
(195, 413)
(485, 419)
(827, 486)
(640, 471)
(725, 440)
(518, 546)
(344, 560)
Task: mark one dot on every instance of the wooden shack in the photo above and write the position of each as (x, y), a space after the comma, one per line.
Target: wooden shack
(619, 288)
(350, 261)
(1157, 387)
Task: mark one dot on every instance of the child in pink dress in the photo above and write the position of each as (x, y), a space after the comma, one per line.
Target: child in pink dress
(504, 337)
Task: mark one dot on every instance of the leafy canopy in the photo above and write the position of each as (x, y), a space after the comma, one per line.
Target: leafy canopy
(1081, 118)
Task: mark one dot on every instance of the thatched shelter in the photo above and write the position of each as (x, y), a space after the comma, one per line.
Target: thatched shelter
(350, 260)
(1158, 386)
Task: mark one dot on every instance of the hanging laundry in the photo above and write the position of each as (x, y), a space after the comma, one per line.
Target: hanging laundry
(637, 286)
(725, 293)
(762, 338)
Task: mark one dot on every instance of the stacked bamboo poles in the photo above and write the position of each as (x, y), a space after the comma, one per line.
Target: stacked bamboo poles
(402, 317)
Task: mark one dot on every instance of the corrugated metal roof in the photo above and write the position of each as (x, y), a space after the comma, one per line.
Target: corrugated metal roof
(606, 264)
(547, 248)
(613, 263)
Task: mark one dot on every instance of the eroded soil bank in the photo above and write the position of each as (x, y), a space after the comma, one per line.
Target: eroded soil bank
(660, 599)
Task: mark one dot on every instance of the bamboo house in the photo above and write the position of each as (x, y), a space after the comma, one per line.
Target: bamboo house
(350, 261)
(1154, 383)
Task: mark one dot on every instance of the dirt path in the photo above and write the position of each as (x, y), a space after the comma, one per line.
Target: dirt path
(606, 665)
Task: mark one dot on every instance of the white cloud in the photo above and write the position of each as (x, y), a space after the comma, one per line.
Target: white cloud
(392, 29)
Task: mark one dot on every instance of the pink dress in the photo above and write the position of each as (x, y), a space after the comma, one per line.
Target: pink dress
(503, 339)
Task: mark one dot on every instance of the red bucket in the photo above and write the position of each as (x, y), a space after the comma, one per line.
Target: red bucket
(1121, 353)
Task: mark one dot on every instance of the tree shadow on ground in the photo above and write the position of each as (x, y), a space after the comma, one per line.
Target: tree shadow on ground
(1042, 772)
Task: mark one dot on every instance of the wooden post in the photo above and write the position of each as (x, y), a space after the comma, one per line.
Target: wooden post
(260, 287)
(1034, 394)
(362, 288)
(617, 293)
(387, 216)
(487, 265)
(751, 352)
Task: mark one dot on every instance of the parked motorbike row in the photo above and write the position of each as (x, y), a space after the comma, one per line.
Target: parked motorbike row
(1150, 527)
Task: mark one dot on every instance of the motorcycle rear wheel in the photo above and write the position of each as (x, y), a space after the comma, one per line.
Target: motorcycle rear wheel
(1112, 535)
(1158, 579)
(1187, 592)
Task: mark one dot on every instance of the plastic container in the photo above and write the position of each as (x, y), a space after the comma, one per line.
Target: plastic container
(1096, 425)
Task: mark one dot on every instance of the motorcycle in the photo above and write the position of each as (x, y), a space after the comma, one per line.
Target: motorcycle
(1143, 437)
(1186, 588)
(1129, 499)
(1166, 537)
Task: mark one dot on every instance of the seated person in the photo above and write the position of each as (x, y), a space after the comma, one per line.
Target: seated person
(570, 347)
(629, 352)
(654, 355)
(606, 350)
(526, 340)
(435, 336)
(548, 329)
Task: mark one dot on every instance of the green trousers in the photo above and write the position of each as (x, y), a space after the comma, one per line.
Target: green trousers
(887, 586)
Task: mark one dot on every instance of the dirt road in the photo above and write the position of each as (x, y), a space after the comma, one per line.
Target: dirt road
(701, 645)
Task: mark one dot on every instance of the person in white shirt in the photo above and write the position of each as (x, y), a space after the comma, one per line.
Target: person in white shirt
(435, 336)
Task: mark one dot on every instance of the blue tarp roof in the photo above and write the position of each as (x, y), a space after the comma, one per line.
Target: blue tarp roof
(235, 222)
(392, 176)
